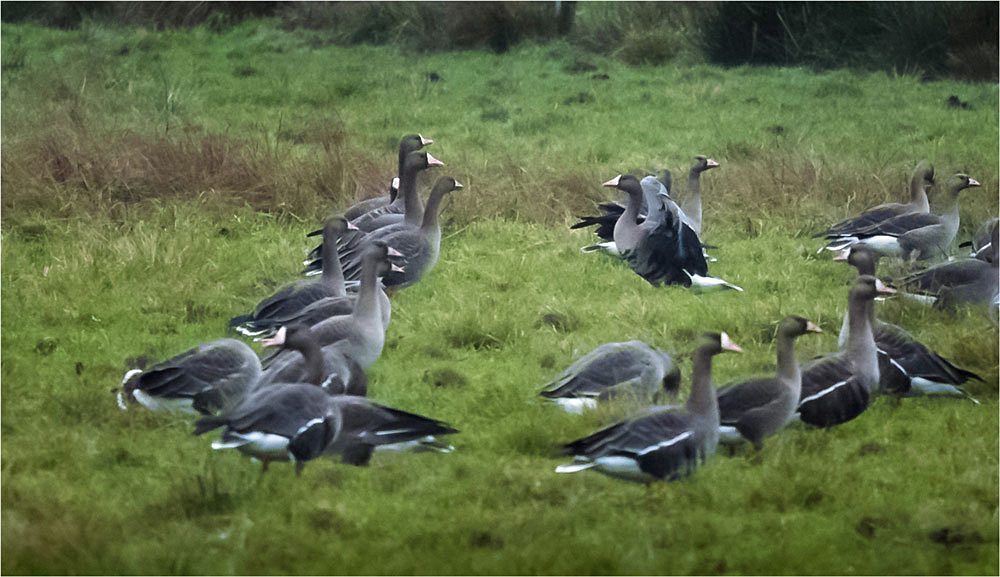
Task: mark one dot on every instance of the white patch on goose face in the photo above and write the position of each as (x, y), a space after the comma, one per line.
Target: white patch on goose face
(825, 391)
(576, 406)
(184, 406)
(666, 443)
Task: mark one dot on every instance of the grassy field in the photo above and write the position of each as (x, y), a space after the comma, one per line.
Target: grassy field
(157, 183)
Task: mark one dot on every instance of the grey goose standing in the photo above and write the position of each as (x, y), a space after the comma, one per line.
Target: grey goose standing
(836, 388)
(691, 207)
(906, 366)
(914, 235)
(299, 422)
(758, 408)
(406, 201)
(280, 307)
(661, 443)
(208, 377)
(920, 182)
(358, 337)
(420, 247)
(351, 247)
(632, 370)
(387, 204)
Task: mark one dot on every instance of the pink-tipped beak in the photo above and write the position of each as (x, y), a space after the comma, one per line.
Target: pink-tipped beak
(458, 185)
(431, 161)
(812, 328)
(711, 163)
(841, 256)
(277, 340)
(350, 226)
(393, 252)
(729, 345)
(882, 288)
(973, 182)
(425, 141)
(395, 268)
(613, 182)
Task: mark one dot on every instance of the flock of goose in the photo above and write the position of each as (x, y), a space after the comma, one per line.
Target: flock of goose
(308, 398)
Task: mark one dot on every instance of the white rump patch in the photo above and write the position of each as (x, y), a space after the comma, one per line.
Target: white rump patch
(575, 405)
(575, 467)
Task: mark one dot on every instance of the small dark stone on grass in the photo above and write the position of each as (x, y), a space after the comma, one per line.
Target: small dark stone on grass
(486, 540)
(79, 368)
(867, 525)
(600, 77)
(948, 536)
(871, 449)
(752, 100)
(123, 51)
(244, 71)
(955, 102)
(46, 346)
(433, 76)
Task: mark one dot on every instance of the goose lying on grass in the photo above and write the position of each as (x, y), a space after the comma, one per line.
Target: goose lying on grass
(300, 422)
(660, 443)
(631, 370)
(758, 408)
(906, 366)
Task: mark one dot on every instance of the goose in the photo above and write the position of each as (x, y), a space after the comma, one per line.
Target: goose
(660, 442)
(966, 281)
(278, 308)
(209, 377)
(420, 247)
(387, 204)
(662, 249)
(906, 366)
(309, 362)
(913, 235)
(691, 207)
(921, 181)
(407, 201)
(629, 369)
(299, 422)
(351, 247)
(759, 408)
(982, 243)
(836, 387)
(358, 336)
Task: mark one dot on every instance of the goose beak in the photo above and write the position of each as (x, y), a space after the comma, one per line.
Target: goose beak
(711, 163)
(842, 256)
(395, 268)
(812, 328)
(973, 182)
(458, 185)
(729, 345)
(613, 182)
(393, 252)
(277, 340)
(431, 161)
(425, 141)
(883, 288)
(350, 226)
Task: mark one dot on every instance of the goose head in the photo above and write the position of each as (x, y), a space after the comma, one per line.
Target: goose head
(796, 326)
(716, 343)
(703, 163)
(626, 183)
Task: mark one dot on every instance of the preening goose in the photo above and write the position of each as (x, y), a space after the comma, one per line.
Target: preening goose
(387, 204)
(913, 235)
(280, 307)
(982, 243)
(921, 181)
(298, 422)
(211, 376)
(659, 443)
(966, 281)
(836, 388)
(662, 249)
(421, 246)
(906, 366)
(758, 408)
(691, 207)
(631, 369)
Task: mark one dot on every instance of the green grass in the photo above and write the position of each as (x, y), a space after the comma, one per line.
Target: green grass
(185, 184)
